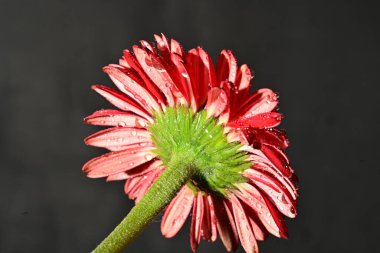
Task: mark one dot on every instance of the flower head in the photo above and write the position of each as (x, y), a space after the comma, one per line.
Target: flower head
(173, 102)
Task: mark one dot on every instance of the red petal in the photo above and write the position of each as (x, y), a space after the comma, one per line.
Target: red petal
(206, 221)
(261, 101)
(177, 212)
(259, 232)
(274, 190)
(196, 222)
(262, 120)
(115, 118)
(156, 71)
(226, 67)
(268, 216)
(182, 79)
(226, 225)
(278, 158)
(147, 45)
(132, 88)
(118, 136)
(246, 235)
(201, 72)
(120, 100)
(273, 137)
(216, 102)
(116, 162)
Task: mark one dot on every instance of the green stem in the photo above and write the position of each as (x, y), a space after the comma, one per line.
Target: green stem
(162, 191)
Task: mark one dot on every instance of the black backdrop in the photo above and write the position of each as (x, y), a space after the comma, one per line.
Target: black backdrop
(322, 58)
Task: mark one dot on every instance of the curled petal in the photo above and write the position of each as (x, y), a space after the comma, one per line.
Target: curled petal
(196, 222)
(278, 158)
(261, 101)
(226, 67)
(243, 79)
(201, 72)
(273, 137)
(177, 212)
(247, 238)
(115, 118)
(216, 102)
(118, 161)
(262, 120)
(121, 101)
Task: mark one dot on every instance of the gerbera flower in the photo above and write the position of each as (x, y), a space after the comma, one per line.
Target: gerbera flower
(189, 137)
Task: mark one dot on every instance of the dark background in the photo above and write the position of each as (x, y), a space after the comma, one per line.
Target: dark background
(322, 58)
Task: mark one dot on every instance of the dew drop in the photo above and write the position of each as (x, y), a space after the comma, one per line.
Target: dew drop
(122, 124)
(131, 164)
(134, 133)
(185, 75)
(148, 157)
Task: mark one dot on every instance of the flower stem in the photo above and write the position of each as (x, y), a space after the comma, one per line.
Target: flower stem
(178, 171)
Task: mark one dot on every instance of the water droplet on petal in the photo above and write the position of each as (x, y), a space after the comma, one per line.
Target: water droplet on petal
(148, 157)
(134, 133)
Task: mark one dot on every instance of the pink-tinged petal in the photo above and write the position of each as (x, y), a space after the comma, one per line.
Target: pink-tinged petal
(216, 102)
(121, 101)
(267, 215)
(124, 63)
(132, 88)
(262, 120)
(139, 185)
(118, 136)
(118, 161)
(196, 222)
(274, 190)
(176, 48)
(156, 71)
(115, 118)
(201, 72)
(243, 226)
(235, 135)
(226, 67)
(278, 158)
(146, 182)
(273, 137)
(148, 46)
(118, 176)
(177, 212)
(261, 101)
(226, 224)
(136, 172)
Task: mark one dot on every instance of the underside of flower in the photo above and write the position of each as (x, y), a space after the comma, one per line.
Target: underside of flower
(201, 141)
(190, 140)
